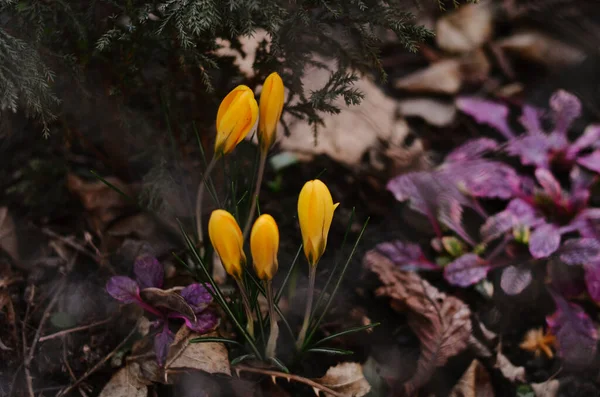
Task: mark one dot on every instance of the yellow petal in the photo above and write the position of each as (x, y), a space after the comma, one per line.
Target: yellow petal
(264, 244)
(227, 240)
(271, 106)
(237, 116)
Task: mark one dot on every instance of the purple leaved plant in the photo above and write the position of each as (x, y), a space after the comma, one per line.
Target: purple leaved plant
(187, 303)
(536, 146)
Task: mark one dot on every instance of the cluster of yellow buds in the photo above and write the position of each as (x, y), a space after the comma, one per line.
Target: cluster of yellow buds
(238, 115)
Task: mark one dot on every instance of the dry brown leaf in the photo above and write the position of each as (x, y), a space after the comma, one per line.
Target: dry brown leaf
(168, 299)
(211, 357)
(465, 29)
(475, 382)
(541, 48)
(433, 111)
(8, 234)
(508, 369)
(347, 379)
(123, 384)
(442, 323)
(441, 77)
(102, 202)
(546, 389)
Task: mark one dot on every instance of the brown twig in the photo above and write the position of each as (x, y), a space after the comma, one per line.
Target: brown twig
(77, 247)
(276, 374)
(98, 364)
(76, 329)
(28, 380)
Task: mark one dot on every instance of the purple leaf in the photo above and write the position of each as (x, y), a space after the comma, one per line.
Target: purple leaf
(472, 150)
(549, 183)
(483, 178)
(544, 241)
(579, 251)
(590, 136)
(206, 321)
(466, 270)
(592, 279)
(450, 214)
(515, 279)
(497, 225)
(566, 108)
(581, 181)
(575, 333)
(591, 161)
(123, 289)
(530, 119)
(532, 149)
(149, 272)
(524, 213)
(587, 223)
(407, 256)
(566, 279)
(162, 342)
(486, 112)
(197, 296)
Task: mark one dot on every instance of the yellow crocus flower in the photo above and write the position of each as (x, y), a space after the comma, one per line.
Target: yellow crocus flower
(226, 238)
(237, 116)
(264, 244)
(315, 213)
(271, 106)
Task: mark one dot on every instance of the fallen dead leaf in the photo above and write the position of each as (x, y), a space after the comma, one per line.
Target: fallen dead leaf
(546, 389)
(8, 234)
(168, 299)
(441, 77)
(465, 29)
(508, 369)
(541, 48)
(211, 357)
(433, 111)
(102, 202)
(347, 379)
(475, 382)
(442, 323)
(123, 384)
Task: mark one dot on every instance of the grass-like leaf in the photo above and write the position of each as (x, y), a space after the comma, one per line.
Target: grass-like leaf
(279, 364)
(214, 339)
(244, 357)
(287, 276)
(329, 350)
(346, 332)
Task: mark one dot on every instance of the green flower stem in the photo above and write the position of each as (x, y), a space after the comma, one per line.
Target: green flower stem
(199, 199)
(246, 303)
(312, 271)
(274, 333)
(261, 172)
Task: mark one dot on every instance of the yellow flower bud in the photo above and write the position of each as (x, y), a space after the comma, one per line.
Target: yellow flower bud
(237, 116)
(271, 105)
(315, 213)
(264, 244)
(226, 238)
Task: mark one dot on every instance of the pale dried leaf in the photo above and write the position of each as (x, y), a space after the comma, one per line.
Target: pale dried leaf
(211, 357)
(123, 384)
(475, 382)
(169, 299)
(546, 389)
(541, 48)
(509, 370)
(434, 112)
(441, 77)
(347, 379)
(465, 29)
(8, 234)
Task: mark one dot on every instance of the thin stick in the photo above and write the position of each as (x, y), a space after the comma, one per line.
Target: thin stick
(77, 247)
(43, 320)
(261, 171)
(312, 270)
(199, 199)
(76, 329)
(28, 380)
(99, 364)
(296, 378)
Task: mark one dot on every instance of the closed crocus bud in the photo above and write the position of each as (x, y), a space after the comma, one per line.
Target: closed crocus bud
(271, 105)
(315, 213)
(226, 238)
(237, 116)
(264, 244)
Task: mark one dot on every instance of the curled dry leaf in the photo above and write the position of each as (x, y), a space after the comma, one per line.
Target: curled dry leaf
(8, 235)
(124, 384)
(442, 323)
(169, 299)
(546, 389)
(211, 357)
(508, 369)
(475, 382)
(441, 77)
(347, 379)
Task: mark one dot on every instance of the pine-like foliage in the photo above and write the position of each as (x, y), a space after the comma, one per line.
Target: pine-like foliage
(142, 45)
